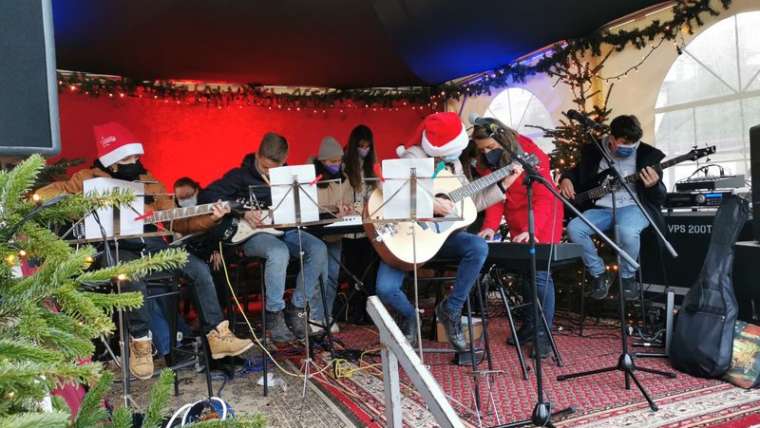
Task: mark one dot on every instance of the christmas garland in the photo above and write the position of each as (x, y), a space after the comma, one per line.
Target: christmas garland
(687, 15)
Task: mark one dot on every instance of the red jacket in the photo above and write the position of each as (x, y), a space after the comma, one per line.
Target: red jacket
(515, 207)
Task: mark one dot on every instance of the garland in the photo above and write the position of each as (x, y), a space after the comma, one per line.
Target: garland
(687, 15)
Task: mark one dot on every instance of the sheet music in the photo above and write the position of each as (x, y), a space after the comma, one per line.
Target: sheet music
(283, 199)
(128, 225)
(396, 173)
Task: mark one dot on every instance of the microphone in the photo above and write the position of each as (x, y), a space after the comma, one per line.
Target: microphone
(583, 119)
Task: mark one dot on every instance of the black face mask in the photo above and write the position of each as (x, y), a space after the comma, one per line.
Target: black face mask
(493, 158)
(129, 172)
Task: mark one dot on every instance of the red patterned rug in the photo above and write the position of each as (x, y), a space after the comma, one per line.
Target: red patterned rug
(600, 400)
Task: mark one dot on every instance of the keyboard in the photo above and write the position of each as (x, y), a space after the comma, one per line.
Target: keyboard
(505, 253)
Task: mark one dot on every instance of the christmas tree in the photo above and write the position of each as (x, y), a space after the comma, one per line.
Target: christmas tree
(49, 318)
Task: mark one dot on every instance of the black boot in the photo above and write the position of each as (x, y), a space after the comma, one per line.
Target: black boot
(295, 319)
(524, 333)
(278, 330)
(409, 328)
(452, 323)
(600, 285)
(544, 347)
(631, 289)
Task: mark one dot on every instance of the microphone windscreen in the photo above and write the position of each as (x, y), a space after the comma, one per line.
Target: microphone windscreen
(473, 117)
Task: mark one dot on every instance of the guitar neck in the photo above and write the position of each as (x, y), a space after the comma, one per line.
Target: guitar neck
(478, 185)
(179, 213)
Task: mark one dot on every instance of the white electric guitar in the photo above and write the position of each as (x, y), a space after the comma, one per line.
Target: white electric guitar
(393, 241)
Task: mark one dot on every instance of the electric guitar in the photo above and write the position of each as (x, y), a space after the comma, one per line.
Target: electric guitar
(393, 241)
(606, 183)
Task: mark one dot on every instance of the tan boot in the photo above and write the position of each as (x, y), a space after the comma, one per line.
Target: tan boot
(224, 344)
(141, 357)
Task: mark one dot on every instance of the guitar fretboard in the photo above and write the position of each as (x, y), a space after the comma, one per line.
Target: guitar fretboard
(179, 213)
(476, 186)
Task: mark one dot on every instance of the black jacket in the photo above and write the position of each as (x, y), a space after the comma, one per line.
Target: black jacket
(584, 176)
(235, 185)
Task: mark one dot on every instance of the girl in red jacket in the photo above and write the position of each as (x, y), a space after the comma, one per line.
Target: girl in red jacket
(490, 155)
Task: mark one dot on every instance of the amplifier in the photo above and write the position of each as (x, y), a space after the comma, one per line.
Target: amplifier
(695, 199)
(689, 232)
(710, 183)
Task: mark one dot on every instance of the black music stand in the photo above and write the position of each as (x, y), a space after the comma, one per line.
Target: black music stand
(626, 362)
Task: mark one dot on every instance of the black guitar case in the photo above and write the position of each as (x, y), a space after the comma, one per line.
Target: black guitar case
(704, 332)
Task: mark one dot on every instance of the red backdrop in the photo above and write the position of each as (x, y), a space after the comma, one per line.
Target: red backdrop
(204, 143)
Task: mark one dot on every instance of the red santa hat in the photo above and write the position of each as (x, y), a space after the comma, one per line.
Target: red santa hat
(115, 142)
(439, 134)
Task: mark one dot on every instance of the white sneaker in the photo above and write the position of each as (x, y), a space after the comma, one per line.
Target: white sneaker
(316, 327)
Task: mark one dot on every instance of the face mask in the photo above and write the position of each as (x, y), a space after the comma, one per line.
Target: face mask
(451, 158)
(493, 158)
(363, 152)
(129, 171)
(188, 202)
(332, 169)
(625, 151)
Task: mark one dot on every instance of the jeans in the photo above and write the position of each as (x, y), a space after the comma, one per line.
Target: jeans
(545, 286)
(334, 251)
(203, 290)
(630, 221)
(277, 251)
(470, 249)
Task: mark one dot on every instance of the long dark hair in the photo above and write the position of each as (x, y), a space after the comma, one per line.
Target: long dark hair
(352, 161)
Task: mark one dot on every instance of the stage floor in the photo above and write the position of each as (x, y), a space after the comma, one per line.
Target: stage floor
(356, 398)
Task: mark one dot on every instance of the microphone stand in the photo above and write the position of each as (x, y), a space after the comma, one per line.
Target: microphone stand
(626, 362)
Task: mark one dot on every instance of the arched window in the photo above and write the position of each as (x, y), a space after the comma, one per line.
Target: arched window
(517, 108)
(711, 96)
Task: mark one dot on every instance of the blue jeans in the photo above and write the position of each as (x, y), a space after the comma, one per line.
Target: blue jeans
(277, 251)
(334, 251)
(545, 285)
(631, 222)
(470, 249)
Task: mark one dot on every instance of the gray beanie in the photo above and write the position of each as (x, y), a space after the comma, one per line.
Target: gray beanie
(329, 149)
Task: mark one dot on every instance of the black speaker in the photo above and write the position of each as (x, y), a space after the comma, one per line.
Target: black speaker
(754, 153)
(28, 85)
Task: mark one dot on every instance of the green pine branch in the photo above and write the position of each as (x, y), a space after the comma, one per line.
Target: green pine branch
(20, 350)
(158, 402)
(35, 420)
(170, 259)
(91, 411)
(15, 184)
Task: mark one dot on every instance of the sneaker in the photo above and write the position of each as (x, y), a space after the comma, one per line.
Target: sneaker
(453, 326)
(223, 343)
(141, 357)
(409, 328)
(278, 329)
(600, 285)
(317, 327)
(294, 318)
(631, 289)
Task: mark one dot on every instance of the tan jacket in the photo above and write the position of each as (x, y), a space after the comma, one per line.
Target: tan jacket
(491, 195)
(161, 198)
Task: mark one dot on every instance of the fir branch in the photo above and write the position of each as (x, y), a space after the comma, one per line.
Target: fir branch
(75, 207)
(91, 411)
(20, 350)
(32, 380)
(109, 302)
(121, 418)
(18, 182)
(169, 259)
(35, 420)
(160, 394)
(256, 421)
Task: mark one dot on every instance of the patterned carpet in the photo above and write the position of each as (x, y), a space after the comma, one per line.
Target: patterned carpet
(600, 400)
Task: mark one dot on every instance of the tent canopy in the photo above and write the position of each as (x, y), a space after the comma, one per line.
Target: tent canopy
(333, 43)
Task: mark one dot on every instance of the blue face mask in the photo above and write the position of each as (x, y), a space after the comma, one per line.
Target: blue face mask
(332, 169)
(625, 151)
(493, 158)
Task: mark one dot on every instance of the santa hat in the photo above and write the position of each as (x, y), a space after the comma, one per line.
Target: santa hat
(115, 142)
(439, 134)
